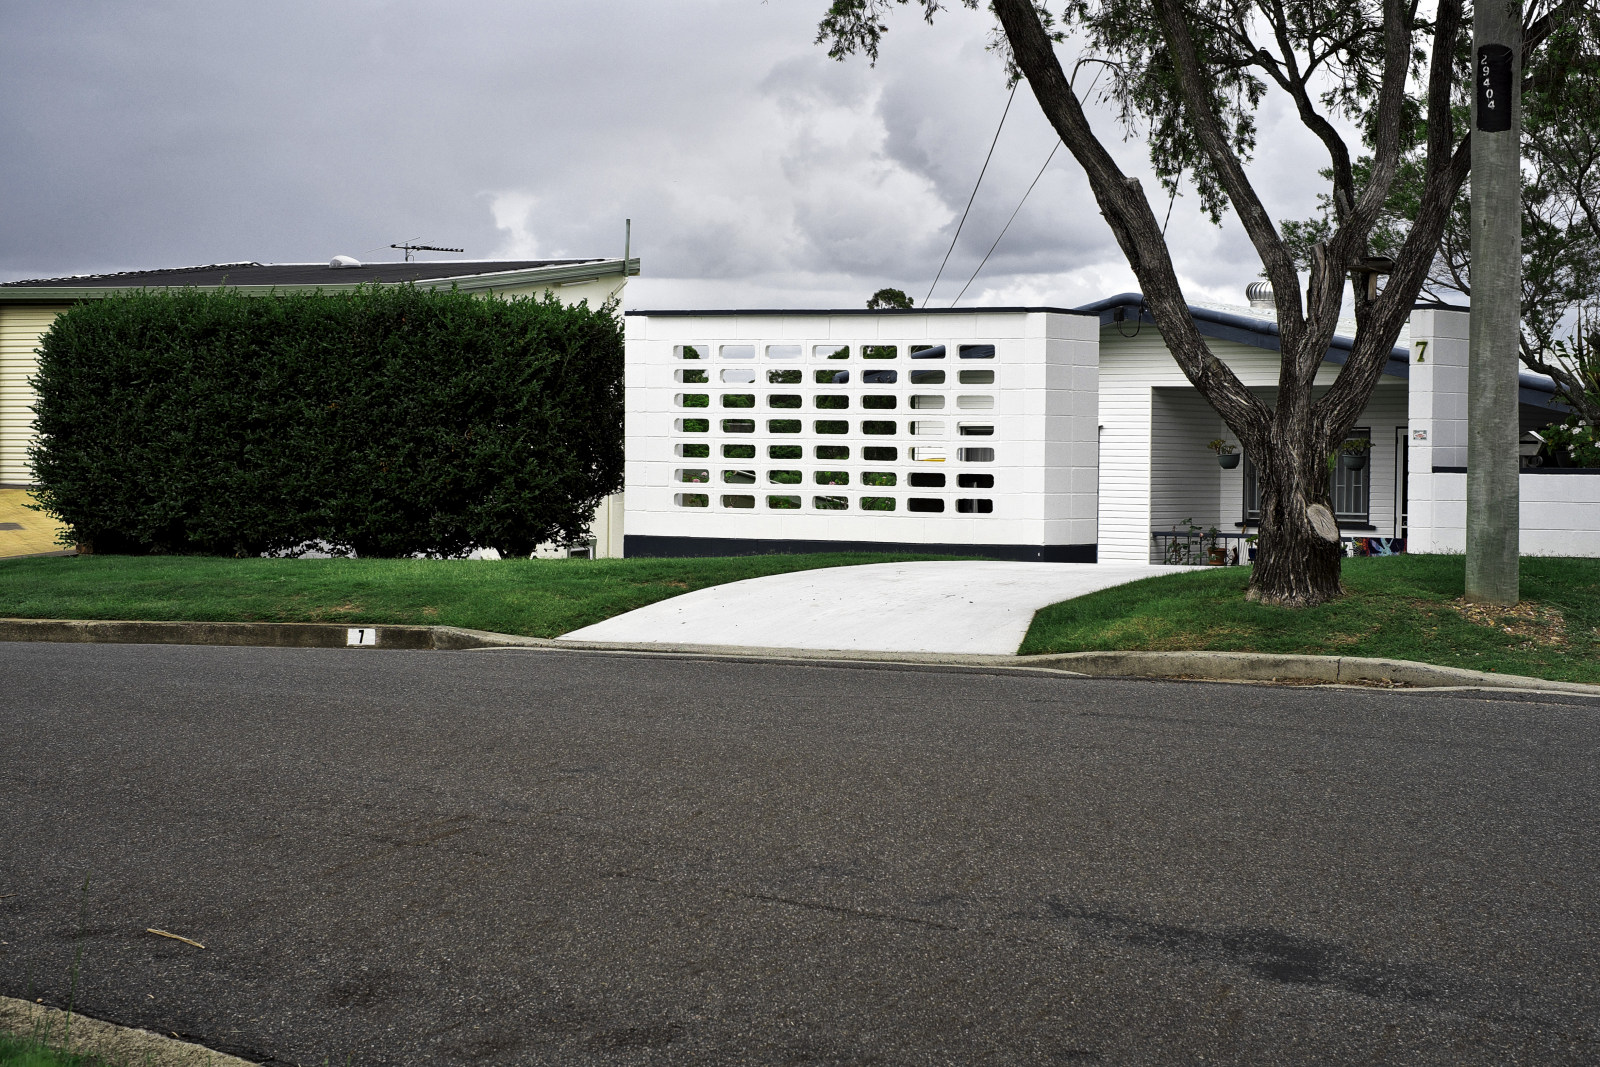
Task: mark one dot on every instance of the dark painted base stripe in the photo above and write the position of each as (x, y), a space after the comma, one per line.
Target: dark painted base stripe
(652, 546)
(1527, 470)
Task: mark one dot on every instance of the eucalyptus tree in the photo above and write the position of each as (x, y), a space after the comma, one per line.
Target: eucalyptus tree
(1560, 219)
(890, 300)
(1189, 76)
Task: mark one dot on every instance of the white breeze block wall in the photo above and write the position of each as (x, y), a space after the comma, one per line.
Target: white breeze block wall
(832, 427)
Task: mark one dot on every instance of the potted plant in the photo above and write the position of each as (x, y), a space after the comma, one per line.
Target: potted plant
(1353, 453)
(1216, 551)
(1227, 457)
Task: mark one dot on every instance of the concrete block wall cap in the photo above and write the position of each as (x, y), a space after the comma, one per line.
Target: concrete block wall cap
(108, 1041)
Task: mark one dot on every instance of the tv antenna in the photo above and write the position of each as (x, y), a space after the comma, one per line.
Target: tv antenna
(410, 248)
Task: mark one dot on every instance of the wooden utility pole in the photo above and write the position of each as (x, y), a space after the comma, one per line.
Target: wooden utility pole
(1493, 498)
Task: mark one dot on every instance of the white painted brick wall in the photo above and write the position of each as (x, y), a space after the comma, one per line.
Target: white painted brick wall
(1560, 515)
(1437, 429)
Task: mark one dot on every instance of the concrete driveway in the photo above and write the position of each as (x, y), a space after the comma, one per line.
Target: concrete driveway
(23, 531)
(979, 606)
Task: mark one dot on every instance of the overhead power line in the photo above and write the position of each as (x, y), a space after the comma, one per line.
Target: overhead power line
(1007, 226)
(974, 195)
(1072, 83)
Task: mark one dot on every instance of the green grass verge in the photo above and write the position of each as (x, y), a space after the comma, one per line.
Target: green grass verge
(535, 598)
(1401, 607)
(18, 1051)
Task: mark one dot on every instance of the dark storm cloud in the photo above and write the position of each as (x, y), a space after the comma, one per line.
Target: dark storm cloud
(756, 170)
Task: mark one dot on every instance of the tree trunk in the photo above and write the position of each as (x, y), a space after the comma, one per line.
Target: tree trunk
(1297, 556)
(1297, 561)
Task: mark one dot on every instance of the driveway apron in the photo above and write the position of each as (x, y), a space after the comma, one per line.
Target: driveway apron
(958, 606)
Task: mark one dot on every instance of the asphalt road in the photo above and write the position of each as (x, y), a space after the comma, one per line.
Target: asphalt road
(569, 858)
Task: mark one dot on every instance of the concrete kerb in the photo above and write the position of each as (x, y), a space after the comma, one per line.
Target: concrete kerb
(110, 1042)
(269, 634)
(1317, 670)
(1196, 666)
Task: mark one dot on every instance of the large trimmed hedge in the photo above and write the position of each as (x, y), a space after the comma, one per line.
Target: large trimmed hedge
(388, 422)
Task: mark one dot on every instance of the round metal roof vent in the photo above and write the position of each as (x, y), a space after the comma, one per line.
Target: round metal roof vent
(1260, 295)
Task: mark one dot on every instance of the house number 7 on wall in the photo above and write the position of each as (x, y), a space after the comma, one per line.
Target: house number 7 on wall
(364, 636)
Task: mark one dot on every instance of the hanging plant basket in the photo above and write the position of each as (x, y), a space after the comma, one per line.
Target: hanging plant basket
(1353, 461)
(1227, 463)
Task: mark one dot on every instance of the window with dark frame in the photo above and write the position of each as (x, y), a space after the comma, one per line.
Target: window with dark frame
(1351, 489)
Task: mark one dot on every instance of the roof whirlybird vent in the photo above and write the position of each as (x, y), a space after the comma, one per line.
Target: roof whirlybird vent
(344, 261)
(1260, 296)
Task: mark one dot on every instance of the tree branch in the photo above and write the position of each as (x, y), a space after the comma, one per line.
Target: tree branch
(1125, 208)
(1350, 240)
(1342, 404)
(1275, 257)
(1295, 84)
(1379, 326)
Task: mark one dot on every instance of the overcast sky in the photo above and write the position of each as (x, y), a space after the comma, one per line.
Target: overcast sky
(757, 171)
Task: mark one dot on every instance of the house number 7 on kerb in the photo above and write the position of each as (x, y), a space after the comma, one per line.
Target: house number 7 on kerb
(365, 636)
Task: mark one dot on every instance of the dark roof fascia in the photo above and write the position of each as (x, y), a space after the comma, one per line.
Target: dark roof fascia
(483, 281)
(86, 280)
(1535, 391)
(1261, 333)
(1241, 329)
(33, 299)
(858, 311)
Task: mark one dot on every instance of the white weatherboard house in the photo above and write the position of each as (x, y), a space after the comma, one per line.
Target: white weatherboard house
(1027, 434)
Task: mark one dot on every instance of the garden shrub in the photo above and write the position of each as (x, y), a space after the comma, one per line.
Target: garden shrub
(389, 421)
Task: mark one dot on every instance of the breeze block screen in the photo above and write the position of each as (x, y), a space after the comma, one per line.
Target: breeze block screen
(795, 431)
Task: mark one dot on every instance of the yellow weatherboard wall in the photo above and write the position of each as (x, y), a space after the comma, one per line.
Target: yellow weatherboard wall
(21, 326)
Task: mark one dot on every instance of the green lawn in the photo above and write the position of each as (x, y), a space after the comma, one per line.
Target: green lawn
(1405, 607)
(1402, 607)
(18, 1051)
(536, 598)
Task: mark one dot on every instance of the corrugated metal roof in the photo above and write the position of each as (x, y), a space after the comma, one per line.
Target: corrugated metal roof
(294, 274)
